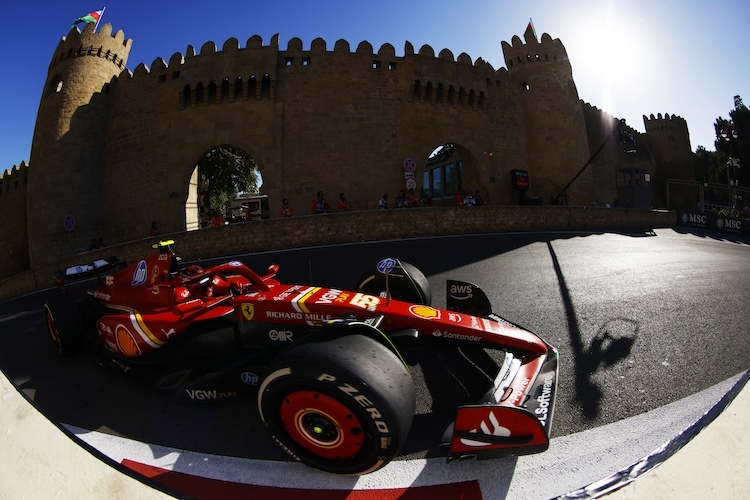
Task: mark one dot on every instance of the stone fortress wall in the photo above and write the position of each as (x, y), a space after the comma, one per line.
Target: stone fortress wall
(114, 150)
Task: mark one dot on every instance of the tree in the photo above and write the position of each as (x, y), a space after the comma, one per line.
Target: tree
(226, 171)
(707, 165)
(739, 147)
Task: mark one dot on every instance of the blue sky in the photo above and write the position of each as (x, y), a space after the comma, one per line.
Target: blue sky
(629, 57)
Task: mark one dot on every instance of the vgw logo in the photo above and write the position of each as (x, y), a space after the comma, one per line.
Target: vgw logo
(139, 275)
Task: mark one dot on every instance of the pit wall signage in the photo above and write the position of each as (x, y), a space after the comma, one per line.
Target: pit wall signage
(710, 220)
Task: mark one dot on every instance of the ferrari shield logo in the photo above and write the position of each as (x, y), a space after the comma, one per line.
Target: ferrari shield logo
(248, 311)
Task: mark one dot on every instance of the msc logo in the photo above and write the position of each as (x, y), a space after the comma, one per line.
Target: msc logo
(729, 224)
(139, 275)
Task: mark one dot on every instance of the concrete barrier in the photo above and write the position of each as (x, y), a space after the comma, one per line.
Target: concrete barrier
(350, 227)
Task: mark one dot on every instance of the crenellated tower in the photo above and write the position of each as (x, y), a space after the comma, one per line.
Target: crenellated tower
(553, 122)
(669, 142)
(63, 205)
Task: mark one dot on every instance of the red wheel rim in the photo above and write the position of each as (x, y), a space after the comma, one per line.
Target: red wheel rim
(51, 328)
(321, 424)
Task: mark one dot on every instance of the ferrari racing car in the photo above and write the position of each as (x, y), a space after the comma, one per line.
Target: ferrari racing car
(329, 368)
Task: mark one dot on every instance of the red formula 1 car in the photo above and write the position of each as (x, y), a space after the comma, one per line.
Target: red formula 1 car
(328, 367)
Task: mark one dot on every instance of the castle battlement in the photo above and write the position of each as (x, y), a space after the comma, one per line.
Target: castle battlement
(13, 180)
(89, 43)
(257, 66)
(548, 49)
(667, 123)
(317, 47)
(17, 171)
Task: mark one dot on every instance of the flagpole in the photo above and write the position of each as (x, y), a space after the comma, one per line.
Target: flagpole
(99, 20)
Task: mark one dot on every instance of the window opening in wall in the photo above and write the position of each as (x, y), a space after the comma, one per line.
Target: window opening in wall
(266, 85)
(526, 86)
(376, 64)
(442, 179)
(305, 61)
(224, 90)
(289, 61)
(162, 78)
(175, 75)
(199, 94)
(238, 87)
(391, 66)
(211, 92)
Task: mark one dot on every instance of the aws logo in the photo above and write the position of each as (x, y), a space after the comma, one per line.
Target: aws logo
(461, 291)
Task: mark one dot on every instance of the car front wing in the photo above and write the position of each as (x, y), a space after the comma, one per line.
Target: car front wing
(514, 417)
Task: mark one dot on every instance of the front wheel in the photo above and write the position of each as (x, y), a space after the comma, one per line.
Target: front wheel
(405, 282)
(343, 406)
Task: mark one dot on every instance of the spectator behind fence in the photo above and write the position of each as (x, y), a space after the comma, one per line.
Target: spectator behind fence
(344, 204)
(383, 203)
(319, 204)
(411, 200)
(401, 200)
(286, 210)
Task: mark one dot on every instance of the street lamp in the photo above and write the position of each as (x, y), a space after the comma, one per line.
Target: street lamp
(732, 165)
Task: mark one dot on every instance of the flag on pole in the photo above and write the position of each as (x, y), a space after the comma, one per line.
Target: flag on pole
(91, 17)
(530, 30)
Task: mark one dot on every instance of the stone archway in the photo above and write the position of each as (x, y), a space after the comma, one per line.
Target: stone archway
(192, 212)
(226, 168)
(449, 170)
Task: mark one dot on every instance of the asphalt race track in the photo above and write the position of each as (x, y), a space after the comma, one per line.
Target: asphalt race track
(651, 330)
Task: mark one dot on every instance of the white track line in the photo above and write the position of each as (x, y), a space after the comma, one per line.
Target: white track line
(571, 462)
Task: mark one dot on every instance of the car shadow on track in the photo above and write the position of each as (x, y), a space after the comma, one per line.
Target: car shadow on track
(606, 349)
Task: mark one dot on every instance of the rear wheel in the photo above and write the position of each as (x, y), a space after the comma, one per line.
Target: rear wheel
(65, 324)
(343, 406)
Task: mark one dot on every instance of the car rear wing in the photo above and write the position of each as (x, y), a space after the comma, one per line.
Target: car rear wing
(96, 268)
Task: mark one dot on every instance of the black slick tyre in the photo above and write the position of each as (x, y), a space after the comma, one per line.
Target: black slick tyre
(64, 324)
(343, 406)
(407, 283)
